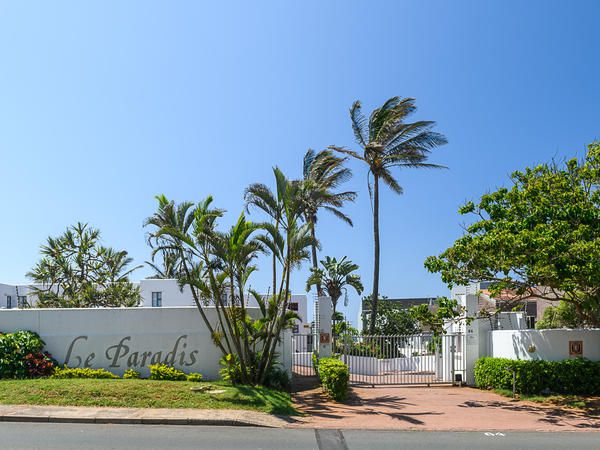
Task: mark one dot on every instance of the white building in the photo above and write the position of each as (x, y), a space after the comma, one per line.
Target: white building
(155, 293)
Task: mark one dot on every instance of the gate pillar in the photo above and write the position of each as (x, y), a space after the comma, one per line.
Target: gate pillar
(324, 333)
(473, 348)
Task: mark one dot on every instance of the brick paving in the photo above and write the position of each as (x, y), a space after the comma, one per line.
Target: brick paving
(440, 408)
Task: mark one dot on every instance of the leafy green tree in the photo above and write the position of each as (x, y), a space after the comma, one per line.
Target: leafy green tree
(436, 320)
(76, 271)
(323, 173)
(392, 319)
(335, 277)
(539, 238)
(387, 142)
(563, 315)
(342, 327)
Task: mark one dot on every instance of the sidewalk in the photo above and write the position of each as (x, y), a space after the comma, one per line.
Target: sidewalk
(230, 417)
(435, 409)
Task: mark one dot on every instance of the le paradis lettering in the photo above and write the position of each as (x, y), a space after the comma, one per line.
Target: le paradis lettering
(121, 354)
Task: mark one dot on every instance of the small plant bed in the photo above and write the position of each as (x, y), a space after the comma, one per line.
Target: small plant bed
(138, 393)
(589, 404)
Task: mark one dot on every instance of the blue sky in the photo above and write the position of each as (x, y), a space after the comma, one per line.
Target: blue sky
(105, 104)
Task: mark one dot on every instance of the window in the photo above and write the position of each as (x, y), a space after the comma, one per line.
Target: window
(9, 302)
(21, 301)
(296, 329)
(157, 299)
(294, 306)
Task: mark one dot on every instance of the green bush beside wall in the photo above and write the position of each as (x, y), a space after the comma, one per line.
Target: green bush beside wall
(78, 372)
(570, 376)
(164, 372)
(22, 356)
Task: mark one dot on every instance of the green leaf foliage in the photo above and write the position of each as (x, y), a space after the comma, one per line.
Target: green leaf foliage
(538, 238)
(391, 319)
(82, 372)
(76, 271)
(335, 277)
(195, 377)
(165, 372)
(334, 376)
(570, 376)
(21, 356)
(131, 374)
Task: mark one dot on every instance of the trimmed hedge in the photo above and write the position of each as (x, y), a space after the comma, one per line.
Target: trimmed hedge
(164, 372)
(68, 372)
(570, 376)
(195, 377)
(334, 376)
(131, 374)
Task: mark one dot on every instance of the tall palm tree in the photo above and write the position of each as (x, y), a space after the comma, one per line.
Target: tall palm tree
(388, 141)
(260, 196)
(335, 276)
(323, 173)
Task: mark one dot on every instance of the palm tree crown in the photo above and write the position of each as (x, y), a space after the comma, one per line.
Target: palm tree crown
(335, 276)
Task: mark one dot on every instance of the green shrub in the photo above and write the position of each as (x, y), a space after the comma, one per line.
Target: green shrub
(277, 378)
(15, 359)
(315, 363)
(231, 370)
(195, 377)
(570, 376)
(69, 372)
(334, 376)
(131, 374)
(164, 372)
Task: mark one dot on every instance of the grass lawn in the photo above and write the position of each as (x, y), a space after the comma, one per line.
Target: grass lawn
(589, 404)
(142, 394)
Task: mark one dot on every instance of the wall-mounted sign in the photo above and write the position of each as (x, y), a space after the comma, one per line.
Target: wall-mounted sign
(575, 348)
(324, 338)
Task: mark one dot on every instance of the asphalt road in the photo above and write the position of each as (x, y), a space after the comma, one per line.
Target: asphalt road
(91, 436)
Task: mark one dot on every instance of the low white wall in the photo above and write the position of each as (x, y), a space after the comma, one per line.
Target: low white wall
(551, 345)
(118, 339)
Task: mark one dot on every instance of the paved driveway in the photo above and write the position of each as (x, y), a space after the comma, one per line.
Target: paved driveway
(436, 408)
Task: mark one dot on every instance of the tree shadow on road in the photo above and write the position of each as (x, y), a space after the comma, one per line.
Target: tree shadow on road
(547, 414)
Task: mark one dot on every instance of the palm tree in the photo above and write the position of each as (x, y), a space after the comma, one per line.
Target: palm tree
(387, 141)
(335, 276)
(323, 173)
(260, 196)
(173, 216)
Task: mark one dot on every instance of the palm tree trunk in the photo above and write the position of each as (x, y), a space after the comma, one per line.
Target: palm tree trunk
(375, 294)
(314, 255)
(274, 273)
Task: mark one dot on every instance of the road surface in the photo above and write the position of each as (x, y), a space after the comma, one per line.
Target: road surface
(96, 436)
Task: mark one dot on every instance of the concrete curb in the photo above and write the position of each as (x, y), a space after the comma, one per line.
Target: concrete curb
(126, 421)
(138, 416)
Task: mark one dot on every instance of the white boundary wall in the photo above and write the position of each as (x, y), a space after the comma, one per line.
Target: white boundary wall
(118, 339)
(551, 345)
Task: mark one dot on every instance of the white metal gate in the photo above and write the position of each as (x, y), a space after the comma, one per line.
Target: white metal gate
(415, 359)
(303, 347)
